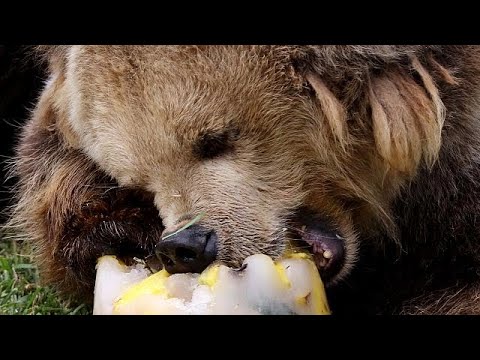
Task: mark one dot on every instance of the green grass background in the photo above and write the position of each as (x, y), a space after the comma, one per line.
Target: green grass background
(20, 290)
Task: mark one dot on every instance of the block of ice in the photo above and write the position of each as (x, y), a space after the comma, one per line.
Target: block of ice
(290, 285)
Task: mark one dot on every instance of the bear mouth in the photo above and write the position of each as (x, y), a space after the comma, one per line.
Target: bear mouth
(316, 235)
(307, 231)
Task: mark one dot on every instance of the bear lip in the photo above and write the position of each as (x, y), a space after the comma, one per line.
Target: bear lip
(316, 235)
(327, 249)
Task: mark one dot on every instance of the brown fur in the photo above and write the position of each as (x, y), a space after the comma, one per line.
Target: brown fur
(383, 141)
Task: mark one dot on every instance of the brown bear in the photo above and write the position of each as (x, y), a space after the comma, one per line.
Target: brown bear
(366, 156)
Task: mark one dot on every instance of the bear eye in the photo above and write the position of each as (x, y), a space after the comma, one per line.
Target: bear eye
(213, 144)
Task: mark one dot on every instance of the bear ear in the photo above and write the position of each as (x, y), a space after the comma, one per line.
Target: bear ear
(53, 106)
(407, 116)
(389, 92)
(54, 55)
(332, 108)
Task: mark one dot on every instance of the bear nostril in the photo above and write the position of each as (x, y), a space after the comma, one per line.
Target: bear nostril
(208, 236)
(185, 255)
(189, 250)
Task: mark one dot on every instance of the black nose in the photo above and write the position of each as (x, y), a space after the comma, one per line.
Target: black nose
(190, 250)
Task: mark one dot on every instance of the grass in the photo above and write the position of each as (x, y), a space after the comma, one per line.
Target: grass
(20, 290)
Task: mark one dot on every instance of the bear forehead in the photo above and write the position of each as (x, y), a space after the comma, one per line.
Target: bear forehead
(210, 87)
(188, 65)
